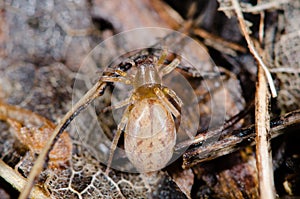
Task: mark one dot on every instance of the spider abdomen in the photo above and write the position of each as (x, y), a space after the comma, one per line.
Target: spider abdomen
(150, 135)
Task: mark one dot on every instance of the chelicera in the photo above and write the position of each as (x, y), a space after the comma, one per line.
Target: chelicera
(148, 120)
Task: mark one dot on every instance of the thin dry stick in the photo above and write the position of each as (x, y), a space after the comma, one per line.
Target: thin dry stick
(263, 157)
(260, 7)
(206, 35)
(261, 25)
(17, 181)
(43, 156)
(234, 140)
(251, 47)
(266, 6)
(262, 127)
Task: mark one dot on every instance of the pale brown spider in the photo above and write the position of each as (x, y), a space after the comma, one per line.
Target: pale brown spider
(153, 148)
(148, 123)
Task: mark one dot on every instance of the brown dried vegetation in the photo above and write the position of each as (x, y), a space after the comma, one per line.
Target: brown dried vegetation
(42, 45)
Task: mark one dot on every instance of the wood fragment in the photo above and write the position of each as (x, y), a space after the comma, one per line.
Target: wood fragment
(166, 13)
(17, 181)
(263, 150)
(206, 35)
(260, 7)
(261, 31)
(263, 156)
(234, 140)
(251, 47)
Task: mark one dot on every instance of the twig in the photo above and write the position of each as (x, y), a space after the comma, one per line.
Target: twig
(206, 35)
(263, 157)
(17, 181)
(206, 135)
(261, 31)
(166, 13)
(251, 47)
(259, 7)
(235, 140)
(266, 6)
(285, 70)
(262, 127)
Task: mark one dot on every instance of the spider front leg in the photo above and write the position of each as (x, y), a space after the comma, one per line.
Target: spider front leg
(169, 68)
(123, 77)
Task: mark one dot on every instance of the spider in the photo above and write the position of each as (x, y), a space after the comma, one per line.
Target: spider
(148, 123)
(148, 111)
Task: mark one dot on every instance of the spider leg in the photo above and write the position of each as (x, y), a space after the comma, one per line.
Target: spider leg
(172, 94)
(169, 68)
(177, 99)
(161, 95)
(162, 59)
(126, 79)
(118, 105)
(123, 77)
(116, 71)
(113, 146)
(116, 79)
